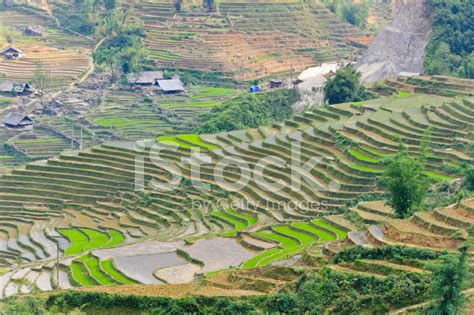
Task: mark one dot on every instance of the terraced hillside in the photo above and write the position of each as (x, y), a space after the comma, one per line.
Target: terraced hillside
(135, 115)
(101, 197)
(403, 246)
(64, 56)
(247, 39)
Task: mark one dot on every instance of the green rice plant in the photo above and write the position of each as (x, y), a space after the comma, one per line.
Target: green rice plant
(78, 240)
(324, 236)
(209, 92)
(375, 152)
(340, 232)
(366, 169)
(192, 141)
(439, 177)
(361, 156)
(80, 274)
(97, 239)
(116, 238)
(46, 140)
(119, 122)
(303, 238)
(403, 94)
(250, 219)
(92, 264)
(108, 267)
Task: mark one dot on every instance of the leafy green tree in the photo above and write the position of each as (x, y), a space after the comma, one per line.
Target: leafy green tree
(355, 14)
(209, 4)
(41, 79)
(468, 181)
(447, 282)
(406, 183)
(345, 87)
(124, 50)
(452, 42)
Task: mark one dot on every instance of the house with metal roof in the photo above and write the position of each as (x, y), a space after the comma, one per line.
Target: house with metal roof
(18, 121)
(145, 78)
(170, 86)
(35, 30)
(12, 52)
(15, 88)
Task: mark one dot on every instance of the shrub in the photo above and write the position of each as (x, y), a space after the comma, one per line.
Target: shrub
(345, 87)
(250, 111)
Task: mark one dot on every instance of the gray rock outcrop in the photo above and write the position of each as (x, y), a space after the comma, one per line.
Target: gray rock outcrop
(400, 46)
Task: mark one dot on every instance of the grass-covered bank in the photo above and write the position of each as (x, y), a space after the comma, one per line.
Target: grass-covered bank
(327, 290)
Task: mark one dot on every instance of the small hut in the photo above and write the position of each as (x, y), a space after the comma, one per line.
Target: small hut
(145, 78)
(18, 122)
(275, 83)
(15, 88)
(36, 30)
(11, 52)
(170, 86)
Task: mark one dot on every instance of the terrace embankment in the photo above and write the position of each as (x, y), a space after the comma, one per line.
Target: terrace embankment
(89, 196)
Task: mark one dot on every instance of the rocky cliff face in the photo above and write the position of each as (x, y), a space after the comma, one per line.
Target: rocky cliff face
(400, 46)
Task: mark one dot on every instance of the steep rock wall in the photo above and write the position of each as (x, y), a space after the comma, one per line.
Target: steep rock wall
(400, 46)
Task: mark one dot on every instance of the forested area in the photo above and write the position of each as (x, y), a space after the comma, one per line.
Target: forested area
(450, 51)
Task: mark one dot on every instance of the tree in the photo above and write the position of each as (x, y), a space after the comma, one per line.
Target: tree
(406, 183)
(447, 282)
(178, 5)
(345, 87)
(125, 49)
(41, 79)
(468, 181)
(209, 4)
(355, 14)
(450, 49)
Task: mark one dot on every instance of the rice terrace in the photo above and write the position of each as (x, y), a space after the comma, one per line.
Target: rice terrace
(236, 157)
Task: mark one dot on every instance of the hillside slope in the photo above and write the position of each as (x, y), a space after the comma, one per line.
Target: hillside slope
(400, 46)
(247, 39)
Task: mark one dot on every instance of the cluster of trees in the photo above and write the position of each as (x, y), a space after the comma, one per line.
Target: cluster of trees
(124, 49)
(353, 13)
(85, 15)
(450, 51)
(345, 86)
(250, 111)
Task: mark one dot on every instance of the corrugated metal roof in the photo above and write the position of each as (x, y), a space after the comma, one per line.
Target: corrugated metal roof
(10, 87)
(145, 77)
(12, 48)
(15, 119)
(171, 85)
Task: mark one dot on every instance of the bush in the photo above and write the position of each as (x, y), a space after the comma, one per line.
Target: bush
(468, 181)
(345, 87)
(250, 111)
(450, 51)
(385, 253)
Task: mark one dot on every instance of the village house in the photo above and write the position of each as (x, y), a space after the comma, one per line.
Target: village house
(275, 83)
(36, 30)
(145, 78)
(18, 122)
(15, 88)
(11, 52)
(170, 86)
